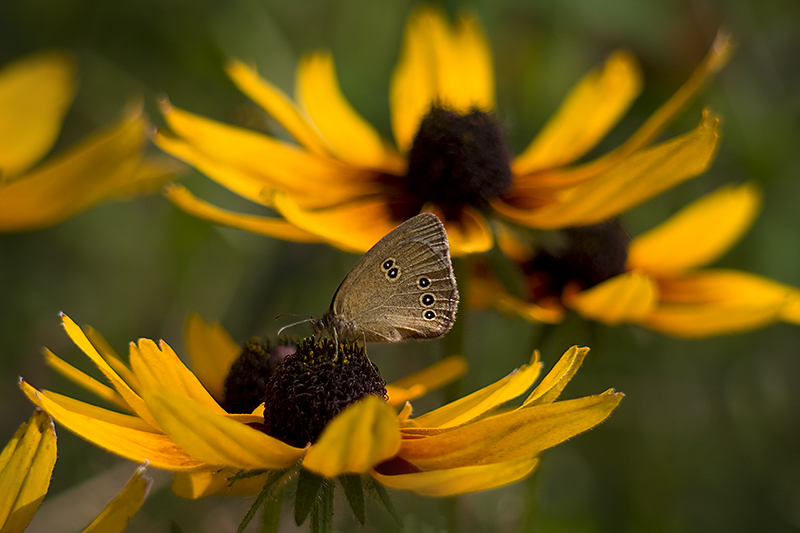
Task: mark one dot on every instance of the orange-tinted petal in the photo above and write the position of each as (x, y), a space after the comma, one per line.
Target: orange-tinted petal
(554, 382)
(641, 176)
(698, 234)
(212, 351)
(590, 110)
(468, 235)
(509, 436)
(269, 226)
(115, 517)
(624, 298)
(35, 94)
(216, 439)
(26, 464)
(483, 400)
(485, 292)
(461, 480)
(101, 166)
(277, 104)
(350, 137)
(420, 383)
(358, 438)
(134, 444)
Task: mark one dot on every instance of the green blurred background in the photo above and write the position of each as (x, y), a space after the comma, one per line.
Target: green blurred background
(708, 437)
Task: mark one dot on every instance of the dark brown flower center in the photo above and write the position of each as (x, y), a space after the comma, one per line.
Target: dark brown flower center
(313, 385)
(456, 160)
(246, 384)
(587, 256)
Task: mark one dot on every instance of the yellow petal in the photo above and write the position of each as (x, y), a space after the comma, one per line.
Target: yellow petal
(216, 439)
(468, 235)
(278, 104)
(99, 167)
(115, 517)
(35, 94)
(640, 177)
(159, 368)
(83, 380)
(590, 110)
(439, 66)
(201, 483)
(271, 227)
(698, 234)
(353, 227)
(350, 137)
(134, 444)
(134, 401)
(483, 400)
(110, 355)
(212, 351)
(717, 302)
(554, 382)
(358, 438)
(518, 434)
(420, 383)
(485, 292)
(461, 480)
(250, 163)
(624, 298)
(26, 464)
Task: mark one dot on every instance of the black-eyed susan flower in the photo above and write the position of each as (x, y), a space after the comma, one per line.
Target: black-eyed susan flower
(26, 464)
(170, 419)
(656, 279)
(35, 94)
(344, 184)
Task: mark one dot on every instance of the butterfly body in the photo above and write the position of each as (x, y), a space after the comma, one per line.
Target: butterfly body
(402, 288)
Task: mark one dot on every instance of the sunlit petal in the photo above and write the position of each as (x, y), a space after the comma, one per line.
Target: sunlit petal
(624, 298)
(554, 382)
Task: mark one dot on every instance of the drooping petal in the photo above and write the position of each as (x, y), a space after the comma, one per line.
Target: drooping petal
(115, 517)
(35, 94)
(351, 138)
(483, 400)
(624, 298)
(432, 378)
(639, 177)
(509, 436)
(462, 480)
(212, 351)
(134, 401)
(201, 483)
(590, 110)
(102, 166)
(278, 104)
(439, 66)
(269, 226)
(216, 439)
(715, 302)
(554, 382)
(134, 444)
(159, 368)
(358, 438)
(83, 380)
(468, 235)
(26, 464)
(698, 234)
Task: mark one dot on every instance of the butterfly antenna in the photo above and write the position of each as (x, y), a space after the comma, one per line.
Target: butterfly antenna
(308, 319)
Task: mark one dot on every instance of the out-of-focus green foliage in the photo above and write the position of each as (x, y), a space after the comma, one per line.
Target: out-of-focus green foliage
(707, 438)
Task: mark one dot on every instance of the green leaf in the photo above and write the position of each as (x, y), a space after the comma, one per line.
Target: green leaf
(271, 515)
(308, 486)
(322, 514)
(272, 487)
(354, 491)
(379, 490)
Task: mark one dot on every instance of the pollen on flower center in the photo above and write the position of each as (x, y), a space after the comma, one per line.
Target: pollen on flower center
(588, 255)
(458, 160)
(313, 385)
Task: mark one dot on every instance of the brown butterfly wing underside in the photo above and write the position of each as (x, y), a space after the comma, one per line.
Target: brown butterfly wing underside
(403, 288)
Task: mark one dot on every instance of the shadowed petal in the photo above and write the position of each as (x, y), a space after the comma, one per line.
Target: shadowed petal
(115, 517)
(212, 351)
(201, 483)
(420, 383)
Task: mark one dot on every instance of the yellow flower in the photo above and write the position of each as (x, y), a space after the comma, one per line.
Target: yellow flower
(174, 422)
(35, 94)
(26, 464)
(345, 185)
(661, 285)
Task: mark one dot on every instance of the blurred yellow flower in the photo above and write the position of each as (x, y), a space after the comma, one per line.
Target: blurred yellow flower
(35, 94)
(171, 420)
(662, 285)
(345, 185)
(26, 464)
